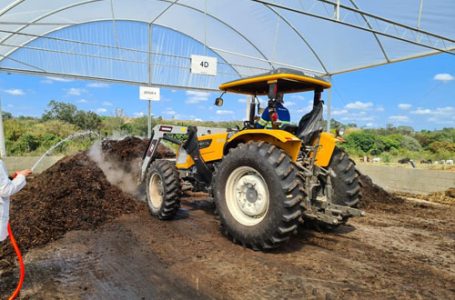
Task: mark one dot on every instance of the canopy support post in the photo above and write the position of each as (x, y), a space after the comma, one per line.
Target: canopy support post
(329, 104)
(149, 58)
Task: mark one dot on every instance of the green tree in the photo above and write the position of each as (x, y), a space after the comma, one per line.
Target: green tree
(362, 140)
(410, 143)
(60, 111)
(87, 120)
(6, 115)
(438, 146)
(26, 143)
(69, 113)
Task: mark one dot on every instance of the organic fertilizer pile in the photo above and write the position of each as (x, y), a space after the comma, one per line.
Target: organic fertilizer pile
(373, 195)
(130, 149)
(121, 161)
(73, 194)
(446, 197)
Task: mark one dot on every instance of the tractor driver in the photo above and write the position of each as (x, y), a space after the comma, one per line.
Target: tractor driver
(283, 114)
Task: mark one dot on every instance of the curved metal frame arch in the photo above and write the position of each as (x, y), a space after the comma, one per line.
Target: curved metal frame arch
(159, 15)
(225, 24)
(300, 35)
(127, 49)
(40, 18)
(374, 34)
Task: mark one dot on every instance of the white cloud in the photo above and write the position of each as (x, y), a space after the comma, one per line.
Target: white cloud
(359, 105)
(448, 110)
(369, 124)
(339, 112)
(170, 111)
(107, 103)
(97, 85)
(297, 97)
(196, 97)
(422, 111)
(399, 118)
(138, 114)
(197, 120)
(242, 100)
(307, 108)
(404, 106)
(224, 112)
(380, 108)
(82, 101)
(101, 110)
(444, 77)
(289, 103)
(440, 115)
(74, 91)
(15, 92)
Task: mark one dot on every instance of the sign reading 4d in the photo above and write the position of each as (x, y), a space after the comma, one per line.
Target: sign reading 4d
(203, 65)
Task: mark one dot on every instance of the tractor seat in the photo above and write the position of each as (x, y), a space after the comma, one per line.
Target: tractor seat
(310, 124)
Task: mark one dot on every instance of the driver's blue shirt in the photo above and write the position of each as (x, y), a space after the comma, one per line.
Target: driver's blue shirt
(283, 117)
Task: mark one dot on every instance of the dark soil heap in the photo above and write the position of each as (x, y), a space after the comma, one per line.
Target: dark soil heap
(130, 149)
(373, 196)
(73, 194)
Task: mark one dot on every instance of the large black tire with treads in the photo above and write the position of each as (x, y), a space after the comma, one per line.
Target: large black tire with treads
(346, 187)
(163, 189)
(258, 195)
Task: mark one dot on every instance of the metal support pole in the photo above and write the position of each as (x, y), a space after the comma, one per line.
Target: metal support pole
(329, 105)
(2, 135)
(337, 10)
(419, 19)
(149, 119)
(149, 58)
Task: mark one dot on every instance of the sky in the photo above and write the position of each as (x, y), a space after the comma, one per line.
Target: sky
(418, 93)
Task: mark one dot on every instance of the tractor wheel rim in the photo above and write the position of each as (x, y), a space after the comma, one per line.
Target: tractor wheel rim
(247, 196)
(156, 191)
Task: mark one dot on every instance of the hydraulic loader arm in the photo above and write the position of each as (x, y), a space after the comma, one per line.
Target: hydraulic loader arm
(159, 133)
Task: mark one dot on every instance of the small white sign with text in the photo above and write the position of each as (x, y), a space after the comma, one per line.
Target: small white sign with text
(149, 93)
(203, 65)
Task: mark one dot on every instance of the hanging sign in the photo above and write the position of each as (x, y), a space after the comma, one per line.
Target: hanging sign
(203, 65)
(149, 93)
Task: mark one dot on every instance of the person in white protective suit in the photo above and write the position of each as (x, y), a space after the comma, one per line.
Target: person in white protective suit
(8, 187)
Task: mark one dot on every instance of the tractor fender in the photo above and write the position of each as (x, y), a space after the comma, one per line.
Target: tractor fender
(284, 140)
(324, 150)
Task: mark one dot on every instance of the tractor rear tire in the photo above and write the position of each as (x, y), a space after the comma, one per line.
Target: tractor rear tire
(258, 195)
(163, 189)
(346, 187)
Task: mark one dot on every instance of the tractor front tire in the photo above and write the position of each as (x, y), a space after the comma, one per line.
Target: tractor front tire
(258, 195)
(163, 189)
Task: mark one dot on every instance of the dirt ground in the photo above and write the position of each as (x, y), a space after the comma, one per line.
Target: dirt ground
(400, 249)
(393, 252)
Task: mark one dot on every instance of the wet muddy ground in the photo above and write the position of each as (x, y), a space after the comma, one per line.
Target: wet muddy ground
(400, 249)
(404, 252)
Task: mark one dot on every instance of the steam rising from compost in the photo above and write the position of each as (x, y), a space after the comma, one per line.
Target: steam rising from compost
(114, 171)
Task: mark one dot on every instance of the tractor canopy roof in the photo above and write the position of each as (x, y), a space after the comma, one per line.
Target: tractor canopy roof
(288, 81)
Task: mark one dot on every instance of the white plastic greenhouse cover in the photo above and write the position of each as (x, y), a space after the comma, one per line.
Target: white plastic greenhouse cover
(151, 42)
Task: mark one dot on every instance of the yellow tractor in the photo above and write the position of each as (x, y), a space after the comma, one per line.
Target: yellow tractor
(264, 182)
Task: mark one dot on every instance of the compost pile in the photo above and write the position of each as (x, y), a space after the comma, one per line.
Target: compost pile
(374, 196)
(129, 150)
(73, 194)
(446, 197)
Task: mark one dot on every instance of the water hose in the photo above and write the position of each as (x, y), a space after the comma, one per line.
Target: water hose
(21, 264)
